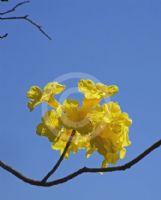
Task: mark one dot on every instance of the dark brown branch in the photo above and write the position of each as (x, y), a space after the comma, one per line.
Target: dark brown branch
(14, 8)
(3, 36)
(52, 171)
(128, 164)
(26, 18)
(80, 171)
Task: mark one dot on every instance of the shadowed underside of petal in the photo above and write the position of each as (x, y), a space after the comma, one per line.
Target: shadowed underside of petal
(50, 126)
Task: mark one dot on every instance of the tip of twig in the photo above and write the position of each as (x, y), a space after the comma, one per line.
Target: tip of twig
(3, 36)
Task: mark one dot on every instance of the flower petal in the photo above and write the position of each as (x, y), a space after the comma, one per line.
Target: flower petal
(96, 91)
(34, 95)
(52, 89)
(50, 126)
(122, 153)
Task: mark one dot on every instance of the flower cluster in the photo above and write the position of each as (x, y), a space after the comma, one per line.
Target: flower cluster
(98, 127)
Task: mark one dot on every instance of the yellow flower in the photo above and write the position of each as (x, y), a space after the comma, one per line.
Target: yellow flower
(37, 96)
(112, 136)
(74, 117)
(98, 127)
(34, 94)
(96, 91)
(50, 125)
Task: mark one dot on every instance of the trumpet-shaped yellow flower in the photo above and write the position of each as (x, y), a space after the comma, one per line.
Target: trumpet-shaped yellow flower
(37, 96)
(96, 91)
(98, 127)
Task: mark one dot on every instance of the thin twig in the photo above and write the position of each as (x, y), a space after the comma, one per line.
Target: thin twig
(3, 36)
(26, 18)
(80, 171)
(52, 171)
(14, 8)
(38, 26)
(3, 0)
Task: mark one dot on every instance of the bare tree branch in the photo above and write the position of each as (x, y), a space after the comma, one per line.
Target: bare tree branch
(80, 171)
(14, 8)
(60, 159)
(25, 17)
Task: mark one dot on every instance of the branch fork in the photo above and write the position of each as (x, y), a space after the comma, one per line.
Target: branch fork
(24, 17)
(45, 183)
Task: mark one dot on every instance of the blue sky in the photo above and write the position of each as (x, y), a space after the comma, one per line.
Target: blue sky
(118, 42)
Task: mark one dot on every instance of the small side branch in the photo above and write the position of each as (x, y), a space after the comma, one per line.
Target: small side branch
(80, 171)
(53, 170)
(26, 18)
(14, 8)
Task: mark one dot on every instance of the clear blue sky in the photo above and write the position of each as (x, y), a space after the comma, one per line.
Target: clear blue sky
(118, 42)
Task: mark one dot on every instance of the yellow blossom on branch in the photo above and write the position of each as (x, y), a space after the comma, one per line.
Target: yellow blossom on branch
(100, 127)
